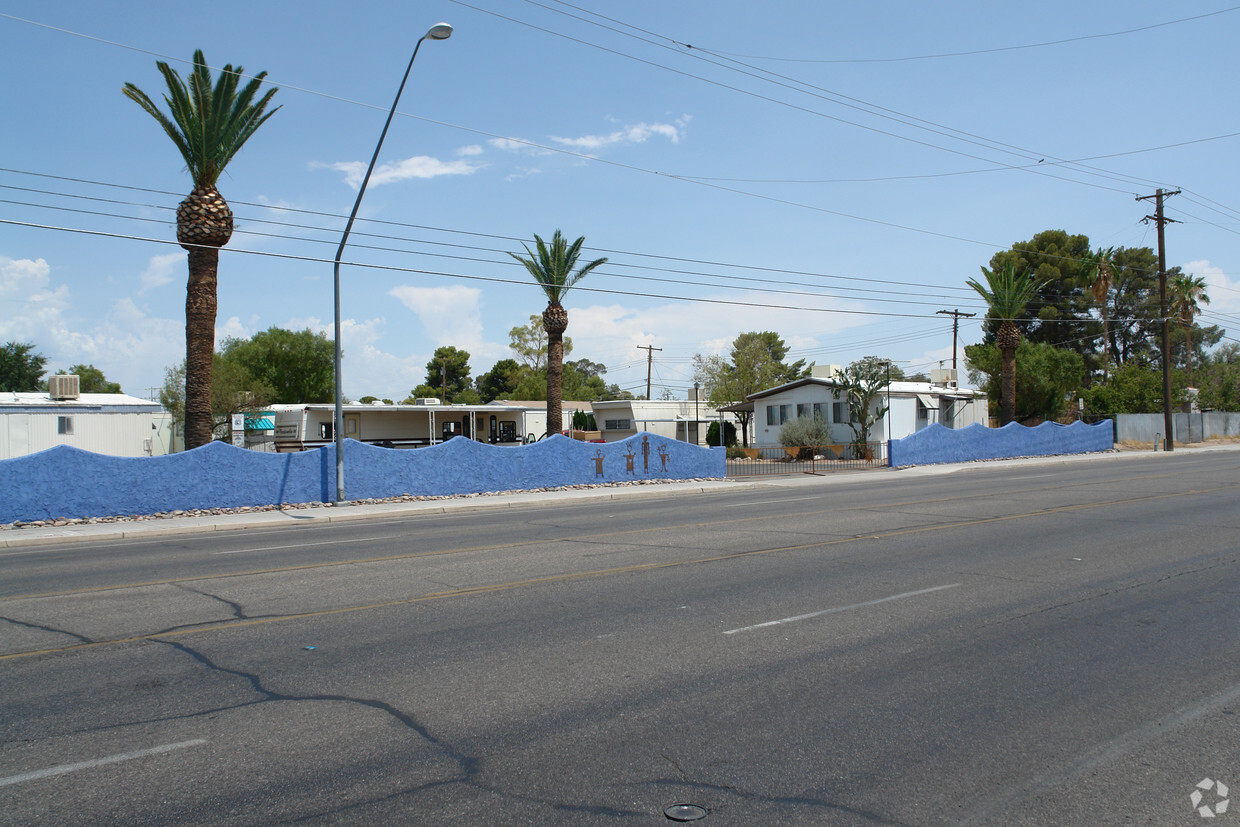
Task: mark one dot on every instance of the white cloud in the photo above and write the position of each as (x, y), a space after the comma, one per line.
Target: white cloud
(518, 146)
(634, 134)
(159, 271)
(1224, 293)
(419, 166)
(449, 315)
(23, 275)
(469, 151)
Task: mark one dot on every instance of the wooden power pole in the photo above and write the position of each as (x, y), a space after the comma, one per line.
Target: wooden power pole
(650, 349)
(1159, 219)
(956, 314)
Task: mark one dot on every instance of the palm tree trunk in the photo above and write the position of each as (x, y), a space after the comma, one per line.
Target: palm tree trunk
(1007, 397)
(200, 308)
(555, 382)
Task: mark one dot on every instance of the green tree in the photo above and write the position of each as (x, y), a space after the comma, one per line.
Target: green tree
(1058, 310)
(755, 363)
(1007, 292)
(500, 381)
(555, 270)
(447, 374)
(528, 344)
(1045, 378)
(92, 380)
(1098, 270)
(20, 367)
(208, 124)
(1132, 388)
(863, 382)
(298, 366)
(1185, 294)
(233, 390)
(1220, 379)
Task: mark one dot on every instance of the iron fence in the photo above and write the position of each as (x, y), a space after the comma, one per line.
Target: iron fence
(809, 459)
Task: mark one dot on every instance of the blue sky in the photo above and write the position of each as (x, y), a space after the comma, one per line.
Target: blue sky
(833, 172)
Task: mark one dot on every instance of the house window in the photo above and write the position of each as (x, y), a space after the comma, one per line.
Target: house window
(64, 425)
(617, 424)
(922, 412)
(838, 414)
(325, 430)
(803, 410)
(820, 411)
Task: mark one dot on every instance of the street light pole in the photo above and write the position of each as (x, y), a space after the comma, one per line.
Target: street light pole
(697, 393)
(440, 31)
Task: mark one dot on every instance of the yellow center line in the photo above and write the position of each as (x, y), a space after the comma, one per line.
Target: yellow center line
(596, 573)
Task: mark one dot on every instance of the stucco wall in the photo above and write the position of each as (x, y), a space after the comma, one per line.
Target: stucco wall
(937, 444)
(67, 482)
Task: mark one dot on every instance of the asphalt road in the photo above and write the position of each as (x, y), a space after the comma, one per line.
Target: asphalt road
(994, 644)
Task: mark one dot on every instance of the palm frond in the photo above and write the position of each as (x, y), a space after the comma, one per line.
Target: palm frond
(207, 122)
(552, 267)
(1007, 291)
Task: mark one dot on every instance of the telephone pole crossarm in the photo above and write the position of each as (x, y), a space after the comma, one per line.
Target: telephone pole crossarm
(956, 315)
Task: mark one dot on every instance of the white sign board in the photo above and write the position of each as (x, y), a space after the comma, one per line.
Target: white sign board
(238, 430)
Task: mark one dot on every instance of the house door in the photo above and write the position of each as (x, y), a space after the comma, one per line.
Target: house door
(493, 432)
(353, 426)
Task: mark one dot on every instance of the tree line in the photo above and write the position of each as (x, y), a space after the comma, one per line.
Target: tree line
(1067, 322)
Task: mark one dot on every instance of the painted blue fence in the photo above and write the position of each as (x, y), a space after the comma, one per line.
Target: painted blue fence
(937, 444)
(68, 482)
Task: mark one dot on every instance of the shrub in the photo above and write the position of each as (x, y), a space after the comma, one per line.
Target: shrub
(729, 434)
(802, 432)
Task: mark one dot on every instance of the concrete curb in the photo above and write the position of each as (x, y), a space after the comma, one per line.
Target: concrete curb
(174, 526)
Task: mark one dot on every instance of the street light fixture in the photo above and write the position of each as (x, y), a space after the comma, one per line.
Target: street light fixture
(440, 31)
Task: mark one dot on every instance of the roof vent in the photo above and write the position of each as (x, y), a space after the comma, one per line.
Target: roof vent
(62, 387)
(427, 400)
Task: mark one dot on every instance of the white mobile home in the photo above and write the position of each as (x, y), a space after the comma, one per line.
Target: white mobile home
(301, 427)
(911, 407)
(683, 420)
(105, 423)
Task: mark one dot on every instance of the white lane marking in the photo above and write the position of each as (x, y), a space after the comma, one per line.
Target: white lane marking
(786, 500)
(98, 762)
(842, 608)
(304, 545)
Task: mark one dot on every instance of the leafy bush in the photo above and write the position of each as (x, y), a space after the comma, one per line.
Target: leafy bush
(729, 434)
(802, 432)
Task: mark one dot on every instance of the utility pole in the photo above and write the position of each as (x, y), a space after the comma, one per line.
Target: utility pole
(956, 314)
(1159, 219)
(650, 349)
(443, 379)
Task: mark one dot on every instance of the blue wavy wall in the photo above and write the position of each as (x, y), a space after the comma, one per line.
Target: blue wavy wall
(71, 483)
(937, 444)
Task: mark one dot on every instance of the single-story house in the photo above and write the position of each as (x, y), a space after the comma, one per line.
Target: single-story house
(684, 420)
(911, 407)
(104, 423)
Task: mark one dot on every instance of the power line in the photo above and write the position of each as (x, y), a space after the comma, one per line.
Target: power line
(993, 49)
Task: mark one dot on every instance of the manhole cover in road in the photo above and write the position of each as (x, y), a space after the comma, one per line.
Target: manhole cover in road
(685, 812)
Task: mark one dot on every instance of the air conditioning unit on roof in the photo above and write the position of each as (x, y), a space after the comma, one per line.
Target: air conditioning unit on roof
(63, 386)
(427, 400)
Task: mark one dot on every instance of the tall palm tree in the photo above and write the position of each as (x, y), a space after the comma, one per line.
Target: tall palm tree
(552, 269)
(1099, 270)
(208, 124)
(1008, 293)
(1187, 293)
